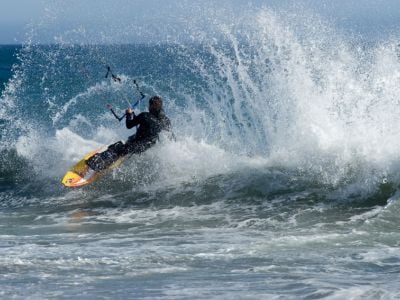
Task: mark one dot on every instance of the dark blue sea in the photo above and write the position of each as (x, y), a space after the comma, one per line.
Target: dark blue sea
(283, 182)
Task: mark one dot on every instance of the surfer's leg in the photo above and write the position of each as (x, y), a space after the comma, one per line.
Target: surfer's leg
(136, 147)
(96, 162)
(118, 148)
(103, 160)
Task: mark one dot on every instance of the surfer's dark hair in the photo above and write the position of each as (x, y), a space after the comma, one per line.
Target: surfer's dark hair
(156, 102)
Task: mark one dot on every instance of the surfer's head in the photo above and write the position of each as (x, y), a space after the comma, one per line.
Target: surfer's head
(155, 105)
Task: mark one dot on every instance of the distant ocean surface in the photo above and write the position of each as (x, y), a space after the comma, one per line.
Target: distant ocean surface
(7, 59)
(283, 182)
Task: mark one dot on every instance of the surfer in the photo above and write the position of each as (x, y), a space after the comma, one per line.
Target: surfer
(150, 125)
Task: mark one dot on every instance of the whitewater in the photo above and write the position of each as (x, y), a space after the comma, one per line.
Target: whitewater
(283, 182)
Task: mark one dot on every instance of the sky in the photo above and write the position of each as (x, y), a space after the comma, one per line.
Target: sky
(17, 17)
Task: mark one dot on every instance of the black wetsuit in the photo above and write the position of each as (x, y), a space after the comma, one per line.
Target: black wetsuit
(150, 126)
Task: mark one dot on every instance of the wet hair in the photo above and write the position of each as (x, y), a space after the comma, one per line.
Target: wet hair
(156, 103)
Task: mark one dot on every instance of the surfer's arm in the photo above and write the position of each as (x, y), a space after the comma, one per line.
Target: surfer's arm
(131, 119)
(167, 127)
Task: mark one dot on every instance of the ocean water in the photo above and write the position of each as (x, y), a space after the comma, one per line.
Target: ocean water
(283, 182)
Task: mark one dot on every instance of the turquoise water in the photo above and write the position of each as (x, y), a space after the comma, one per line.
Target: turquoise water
(282, 183)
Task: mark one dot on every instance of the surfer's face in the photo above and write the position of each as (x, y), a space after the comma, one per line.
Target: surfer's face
(155, 106)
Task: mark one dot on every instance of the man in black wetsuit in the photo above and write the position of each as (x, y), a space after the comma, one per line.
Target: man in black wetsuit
(150, 125)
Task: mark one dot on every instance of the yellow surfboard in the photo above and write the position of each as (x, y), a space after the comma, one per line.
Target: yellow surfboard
(81, 174)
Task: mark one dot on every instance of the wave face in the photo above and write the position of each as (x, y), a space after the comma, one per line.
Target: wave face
(285, 170)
